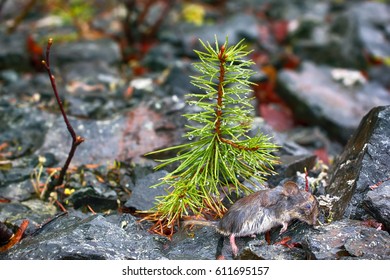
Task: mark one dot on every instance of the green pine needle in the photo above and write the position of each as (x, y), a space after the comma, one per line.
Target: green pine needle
(219, 151)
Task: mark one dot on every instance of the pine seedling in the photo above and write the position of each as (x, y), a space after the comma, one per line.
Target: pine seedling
(219, 155)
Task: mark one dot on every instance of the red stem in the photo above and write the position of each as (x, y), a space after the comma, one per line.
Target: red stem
(306, 181)
(76, 140)
(222, 60)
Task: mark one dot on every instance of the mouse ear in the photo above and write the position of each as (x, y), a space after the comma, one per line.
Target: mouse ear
(290, 188)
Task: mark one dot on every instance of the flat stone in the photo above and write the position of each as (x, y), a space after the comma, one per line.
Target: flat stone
(13, 54)
(260, 250)
(94, 75)
(18, 191)
(346, 37)
(256, 248)
(23, 129)
(143, 197)
(348, 239)
(201, 244)
(97, 50)
(377, 202)
(130, 135)
(236, 28)
(34, 210)
(370, 18)
(100, 198)
(318, 99)
(90, 238)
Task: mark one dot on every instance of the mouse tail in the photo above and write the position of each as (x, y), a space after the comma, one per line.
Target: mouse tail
(204, 223)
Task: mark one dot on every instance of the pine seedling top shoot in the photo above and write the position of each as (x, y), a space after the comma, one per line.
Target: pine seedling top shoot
(219, 154)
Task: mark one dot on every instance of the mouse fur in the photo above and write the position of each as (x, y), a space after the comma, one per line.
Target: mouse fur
(261, 211)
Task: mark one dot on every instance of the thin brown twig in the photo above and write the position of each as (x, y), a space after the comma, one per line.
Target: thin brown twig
(76, 140)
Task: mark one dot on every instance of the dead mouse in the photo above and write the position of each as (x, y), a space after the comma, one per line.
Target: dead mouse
(261, 211)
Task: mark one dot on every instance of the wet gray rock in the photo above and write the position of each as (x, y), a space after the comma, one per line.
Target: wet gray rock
(143, 197)
(13, 54)
(293, 157)
(27, 90)
(318, 42)
(96, 73)
(17, 191)
(9, 76)
(377, 202)
(142, 169)
(99, 197)
(160, 57)
(372, 18)
(354, 32)
(178, 81)
(92, 105)
(349, 239)
(129, 135)
(201, 244)
(236, 27)
(15, 181)
(364, 163)
(93, 90)
(12, 211)
(89, 191)
(91, 238)
(17, 173)
(104, 50)
(34, 210)
(58, 140)
(292, 164)
(257, 248)
(23, 129)
(380, 74)
(205, 243)
(320, 100)
(289, 165)
(312, 138)
(260, 250)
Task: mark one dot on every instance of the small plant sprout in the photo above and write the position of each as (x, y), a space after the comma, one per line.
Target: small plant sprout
(76, 139)
(36, 176)
(219, 155)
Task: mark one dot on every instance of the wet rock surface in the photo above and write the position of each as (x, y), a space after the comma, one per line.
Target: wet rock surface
(185, 245)
(127, 99)
(13, 54)
(143, 195)
(364, 163)
(84, 238)
(353, 33)
(377, 203)
(313, 92)
(127, 136)
(349, 239)
(262, 251)
(104, 50)
(236, 27)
